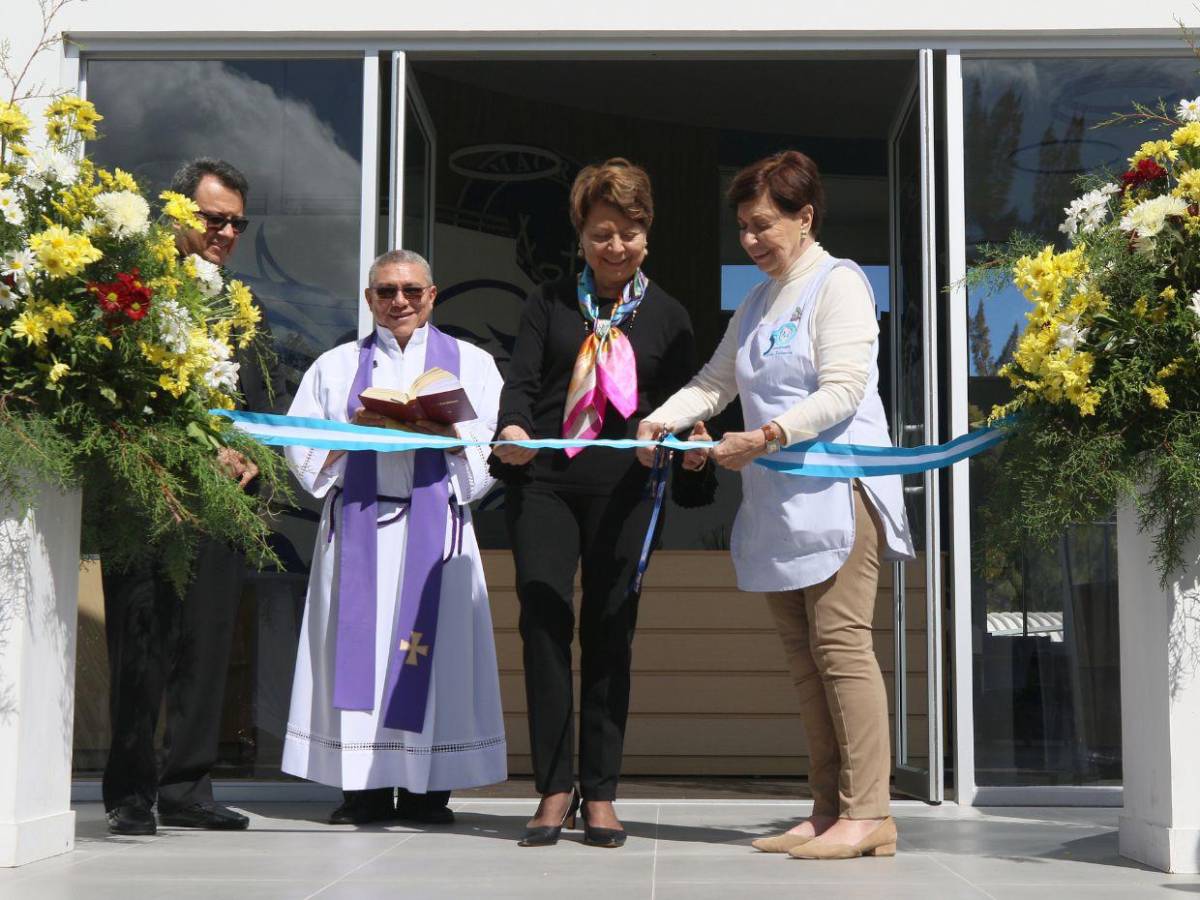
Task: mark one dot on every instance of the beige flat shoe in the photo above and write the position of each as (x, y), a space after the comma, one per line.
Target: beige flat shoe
(779, 843)
(880, 842)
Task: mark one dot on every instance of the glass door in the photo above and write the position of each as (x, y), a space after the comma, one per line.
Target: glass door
(412, 164)
(916, 586)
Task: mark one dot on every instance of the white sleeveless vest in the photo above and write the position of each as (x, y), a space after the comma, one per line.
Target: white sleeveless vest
(793, 531)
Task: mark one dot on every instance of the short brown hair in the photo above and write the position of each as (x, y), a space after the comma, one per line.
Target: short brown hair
(616, 181)
(791, 180)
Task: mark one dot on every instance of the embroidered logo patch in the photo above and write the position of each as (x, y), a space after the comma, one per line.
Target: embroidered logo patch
(781, 339)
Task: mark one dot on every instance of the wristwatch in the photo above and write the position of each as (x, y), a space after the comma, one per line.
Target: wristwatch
(774, 435)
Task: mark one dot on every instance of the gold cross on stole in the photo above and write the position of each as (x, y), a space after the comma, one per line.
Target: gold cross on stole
(415, 649)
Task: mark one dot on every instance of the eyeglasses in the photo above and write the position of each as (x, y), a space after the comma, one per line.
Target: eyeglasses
(410, 291)
(216, 221)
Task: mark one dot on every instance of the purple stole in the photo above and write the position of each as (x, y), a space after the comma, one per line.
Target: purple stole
(414, 634)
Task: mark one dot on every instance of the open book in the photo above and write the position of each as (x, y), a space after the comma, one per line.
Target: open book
(435, 396)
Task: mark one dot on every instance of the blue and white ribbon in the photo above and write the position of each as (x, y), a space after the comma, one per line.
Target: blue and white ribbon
(815, 459)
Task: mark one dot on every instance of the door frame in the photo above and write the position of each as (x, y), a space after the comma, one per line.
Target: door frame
(923, 783)
(99, 44)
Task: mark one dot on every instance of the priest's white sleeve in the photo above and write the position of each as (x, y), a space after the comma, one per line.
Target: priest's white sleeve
(469, 476)
(308, 463)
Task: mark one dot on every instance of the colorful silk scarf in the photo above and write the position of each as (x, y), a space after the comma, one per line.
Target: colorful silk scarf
(605, 369)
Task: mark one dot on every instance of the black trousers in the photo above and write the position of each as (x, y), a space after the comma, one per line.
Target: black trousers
(159, 642)
(551, 533)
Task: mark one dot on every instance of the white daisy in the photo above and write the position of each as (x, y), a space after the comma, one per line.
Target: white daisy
(1188, 110)
(124, 212)
(47, 165)
(1195, 304)
(208, 274)
(1087, 213)
(174, 324)
(1149, 217)
(8, 297)
(21, 266)
(10, 207)
(1070, 335)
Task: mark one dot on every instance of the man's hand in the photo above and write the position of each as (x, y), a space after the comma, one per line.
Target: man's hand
(649, 431)
(424, 426)
(510, 455)
(371, 419)
(739, 448)
(237, 466)
(695, 460)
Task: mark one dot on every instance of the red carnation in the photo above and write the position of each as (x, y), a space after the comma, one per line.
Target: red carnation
(128, 295)
(1144, 172)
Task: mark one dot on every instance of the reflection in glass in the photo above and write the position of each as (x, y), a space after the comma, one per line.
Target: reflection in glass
(1047, 694)
(295, 129)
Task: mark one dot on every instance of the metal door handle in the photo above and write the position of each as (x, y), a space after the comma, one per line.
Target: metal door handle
(914, 489)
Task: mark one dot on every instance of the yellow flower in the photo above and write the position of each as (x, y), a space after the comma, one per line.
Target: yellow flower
(1160, 150)
(74, 113)
(1187, 136)
(57, 371)
(1169, 293)
(181, 209)
(62, 253)
(1141, 306)
(1044, 276)
(1159, 398)
(1088, 402)
(163, 249)
(60, 318)
(118, 180)
(14, 124)
(103, 341)
(1189, 185)
(1170, 368)
(32, 326)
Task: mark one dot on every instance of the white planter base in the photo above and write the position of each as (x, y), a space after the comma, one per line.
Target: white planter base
(39, 598)
(1169, 849)
(34, 839)
(1160, 704)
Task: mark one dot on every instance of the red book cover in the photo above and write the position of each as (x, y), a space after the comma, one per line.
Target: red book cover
(435, 396)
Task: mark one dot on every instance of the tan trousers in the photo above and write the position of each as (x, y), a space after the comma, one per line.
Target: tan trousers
(826, 632)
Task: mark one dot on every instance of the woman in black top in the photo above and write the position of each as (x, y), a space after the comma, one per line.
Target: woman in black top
(580, 342)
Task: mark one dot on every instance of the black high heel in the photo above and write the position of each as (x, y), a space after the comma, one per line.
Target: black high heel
(601, 837)
(545, 835)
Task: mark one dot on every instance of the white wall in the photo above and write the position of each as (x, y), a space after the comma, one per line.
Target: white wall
(928, 23)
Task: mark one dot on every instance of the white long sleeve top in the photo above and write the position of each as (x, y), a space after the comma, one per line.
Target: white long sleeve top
(843, 331)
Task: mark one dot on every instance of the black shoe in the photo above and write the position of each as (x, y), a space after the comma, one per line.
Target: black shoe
(131, 819)
(364, 807)
(204, 815)
(545, 835)
(601, 837)
(415, 811)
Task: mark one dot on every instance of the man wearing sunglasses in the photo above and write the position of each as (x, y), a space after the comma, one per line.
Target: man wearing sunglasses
(162, 644)
(396, 683)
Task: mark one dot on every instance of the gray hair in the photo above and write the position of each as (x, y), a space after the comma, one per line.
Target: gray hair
(399, 258)
(191, 173)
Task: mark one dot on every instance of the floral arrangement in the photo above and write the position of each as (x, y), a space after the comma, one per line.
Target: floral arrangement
(1106, 375)
(113, 349)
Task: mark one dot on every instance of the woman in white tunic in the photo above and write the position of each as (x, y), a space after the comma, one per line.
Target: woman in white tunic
(460, 742)
(801, 353)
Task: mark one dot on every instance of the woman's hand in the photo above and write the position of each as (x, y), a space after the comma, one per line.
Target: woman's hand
(237, 466)
(738, 449)
(507, 453)
(695, 460)
(648, 431)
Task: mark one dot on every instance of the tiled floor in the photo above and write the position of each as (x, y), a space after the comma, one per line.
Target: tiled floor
(677, 849)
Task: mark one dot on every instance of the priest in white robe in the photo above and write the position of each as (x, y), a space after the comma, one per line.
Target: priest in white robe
(396, 683)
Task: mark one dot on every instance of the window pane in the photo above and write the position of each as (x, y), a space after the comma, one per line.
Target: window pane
(1047, 693)
(295, 129)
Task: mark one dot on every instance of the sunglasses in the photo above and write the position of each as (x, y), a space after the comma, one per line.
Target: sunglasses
(216, 222)
(410, 291)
